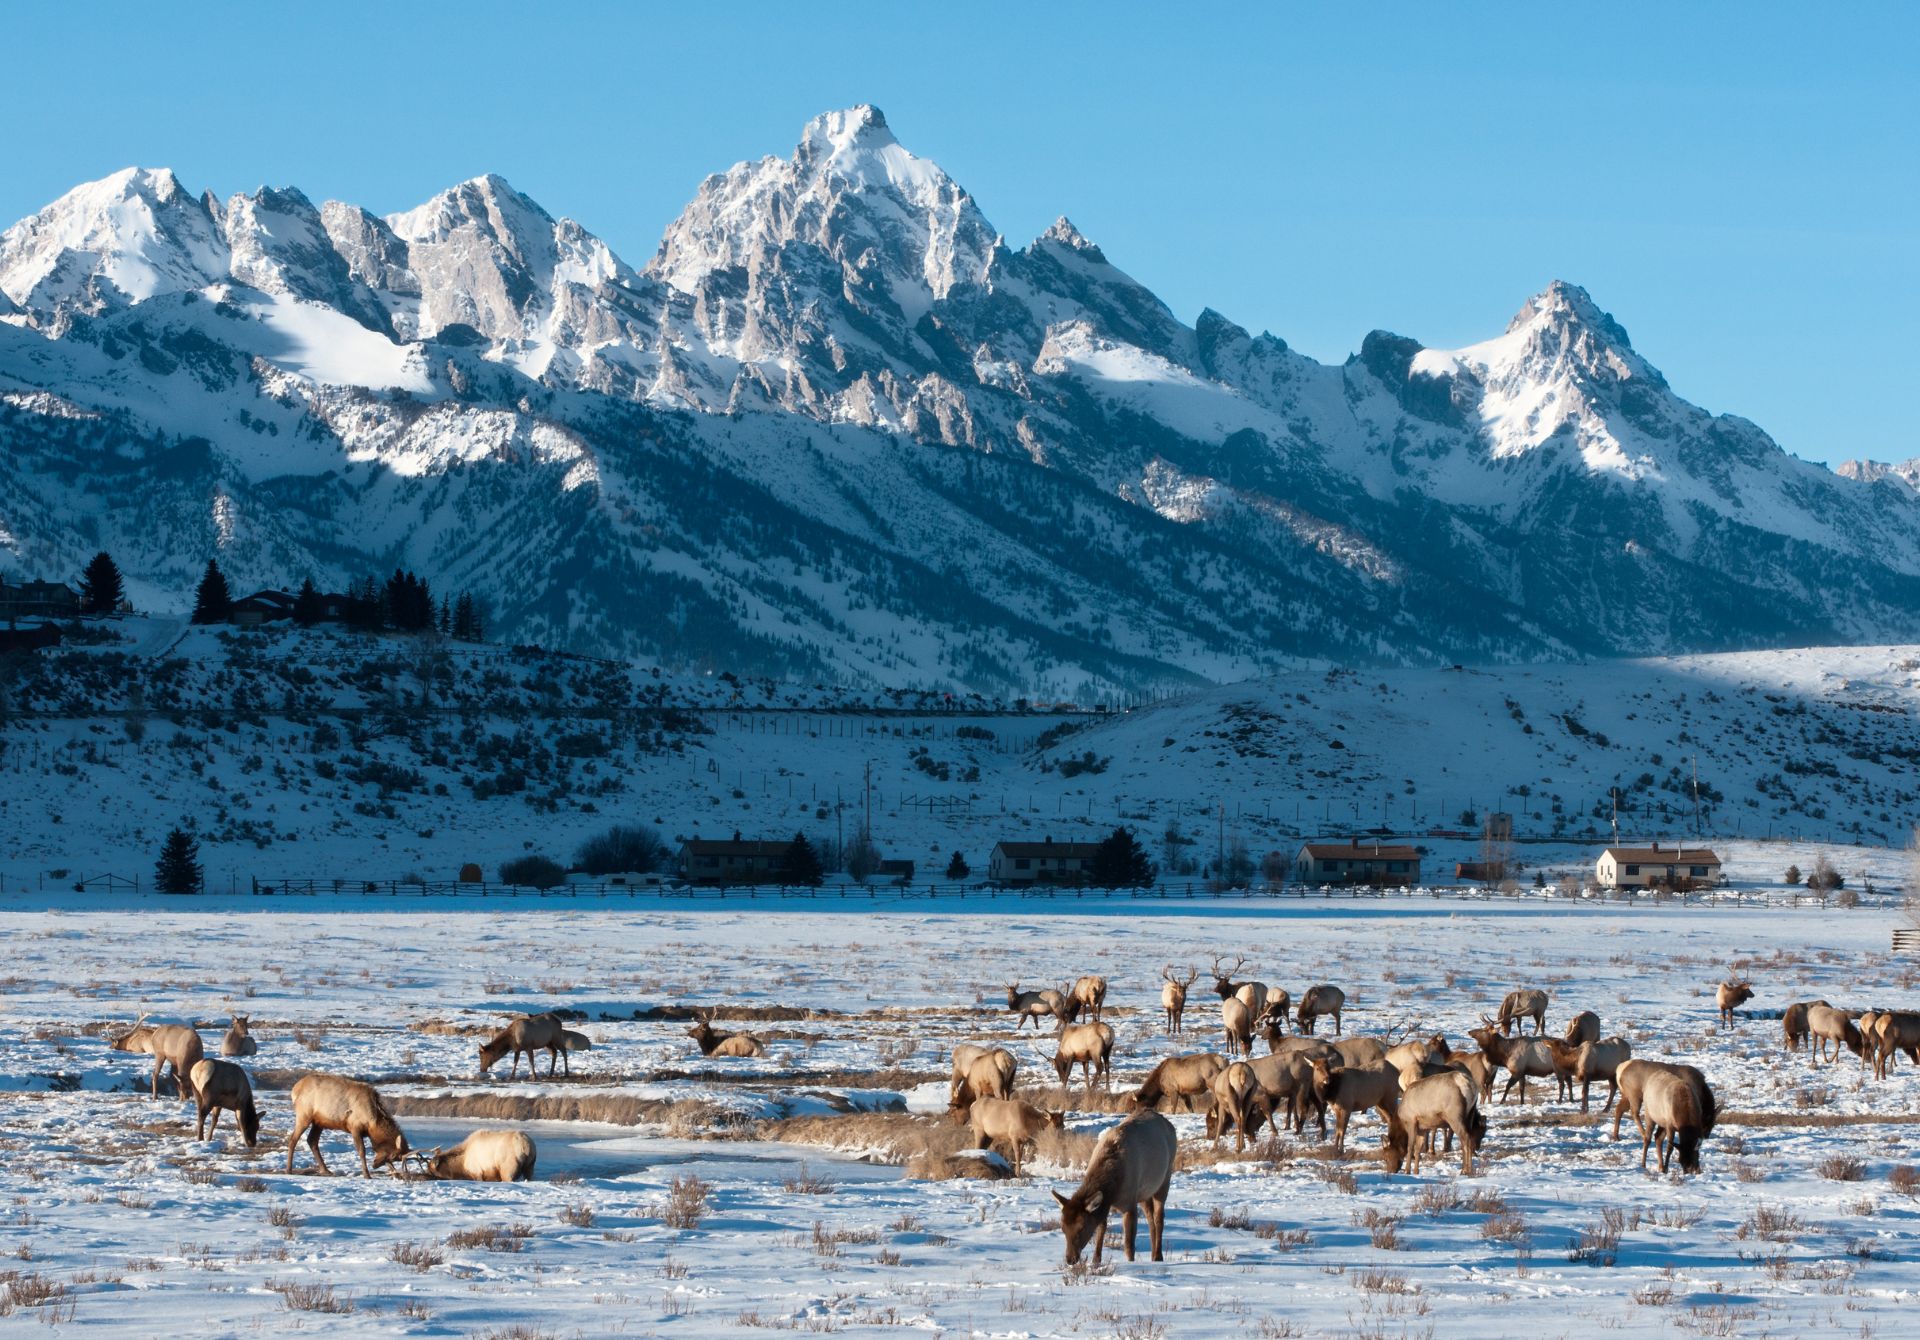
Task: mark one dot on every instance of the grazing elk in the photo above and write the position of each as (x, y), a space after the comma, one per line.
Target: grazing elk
(219, 1085)
(1633, 1077)
(1680, 1110)
(1895, 1031)
(1601, 1061)
(485, 1156)
(1524, 1002)
(1565, 1055)
(1087, 995)
(1286, 1085)
(1793, 1022)
(1583, 1027)
(980, 1072)
(1319, 1000)
(1236, 1021)
(1131, 1164)
(1444, 1102)
(714, 1043)
(1351, 1089)
(1173, 996)
(1521, 1058)
(1361, 1051)
(1730, 994)
(527, 1033)
(170, 1045)
(1010, 1123)
(1235, 1091)
(239, 1039)
(1830, 1026)
(1182, 1078)
(334, 1103)
(1035, 1005)
(1089, 1046)
(1252, 994)
(1480, 1068)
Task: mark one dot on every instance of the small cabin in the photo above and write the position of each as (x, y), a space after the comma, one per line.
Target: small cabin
(1656, 867)
(733, 861)
(1043, 862)
(1359, 861)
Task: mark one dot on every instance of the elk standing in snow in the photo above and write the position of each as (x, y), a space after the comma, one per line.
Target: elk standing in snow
(1829, 1026)
(1447, 1101)
(1235, 1091)
(1252, 994)
(528, 1033)
(1601, 1060)
(1521, 1058)
(1087, 995)
(485, 1156)
(1680, 1110)
(1035, 1005)
(218, 1085)
(1583, 1027)
(1524, 1002)
(1089, 1046)
(1319, 1000)
(1131, 1164)
(1793, 1022)
(1010, 1123)
(1236, 1021)
(172, 1045)
(1173, 996)
(1730, 994)
(1183, 1078)
(334, 1103)
(1351, 1089)
(239, 1039)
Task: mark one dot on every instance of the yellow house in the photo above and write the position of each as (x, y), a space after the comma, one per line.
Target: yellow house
(1645, 867)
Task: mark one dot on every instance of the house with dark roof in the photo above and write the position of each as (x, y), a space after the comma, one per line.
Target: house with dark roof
(1044, 862)
(1358, 861)
(1656, 866)
(37, 599)
(734, 861)
(261, 607)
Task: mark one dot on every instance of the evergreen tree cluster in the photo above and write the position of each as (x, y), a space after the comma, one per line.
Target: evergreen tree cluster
(403, 602)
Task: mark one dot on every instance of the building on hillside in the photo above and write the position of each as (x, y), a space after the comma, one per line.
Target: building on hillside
(1358, 861)
(261, 607)
(1656, 866)
(1045, 862)
(37, 599)
(732, 861)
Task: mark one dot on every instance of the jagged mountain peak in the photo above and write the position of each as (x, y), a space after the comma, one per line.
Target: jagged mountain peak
(1568, 305)
(848, 130)
(1063, 232)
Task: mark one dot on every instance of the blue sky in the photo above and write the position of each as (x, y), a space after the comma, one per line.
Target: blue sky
(1738, 184)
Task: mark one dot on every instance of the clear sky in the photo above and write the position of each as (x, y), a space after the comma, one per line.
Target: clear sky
(1738, 184)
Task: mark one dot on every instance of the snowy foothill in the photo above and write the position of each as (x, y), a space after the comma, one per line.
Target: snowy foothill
(820, 1187)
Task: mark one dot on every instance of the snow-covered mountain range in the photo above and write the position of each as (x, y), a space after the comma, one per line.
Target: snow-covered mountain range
(837, 426)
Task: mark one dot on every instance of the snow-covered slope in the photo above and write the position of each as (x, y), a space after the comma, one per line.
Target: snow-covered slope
(837, 425)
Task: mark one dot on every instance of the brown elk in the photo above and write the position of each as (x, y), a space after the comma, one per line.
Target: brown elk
(980, 1072)
(575, 1042)
(1521, 1003)
(221, 1085)
(1319, 1000)
(1730, 994)
(1350, 1089)
(1680, 1110)
(1252, 994)
(170, 1045)
(1447, 1101)
(239, 1039)
(1236, 1021)
(1479, 1067)
(1182, 1078)
(1601, 1061)
(714, 1043)
(1895, 1031)
(1361, 1051)
(334, 1103)
(527, 1033)
(1173, 996)
(485, 1156)
(1089, 1046)
(1633, 1076)
(1087, 995)
(1035, 1005)
(1010, 1123)
(1419, 1050)
(1793, 1022)
(1235, 1091)
(1830, 1026)
(1565, 1056)
(1132, 1164)
(1286, 1085)
(1583, 1027)
(1521, 1058)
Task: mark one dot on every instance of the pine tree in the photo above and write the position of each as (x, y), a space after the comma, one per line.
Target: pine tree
(307, 605)
(213, 602)
(178, 870)
(101, 589)
(957, 868)
(1120, 862)
(446, 617)
(801, 864)
(463, 618)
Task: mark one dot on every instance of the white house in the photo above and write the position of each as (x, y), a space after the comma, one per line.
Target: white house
(1644, 867)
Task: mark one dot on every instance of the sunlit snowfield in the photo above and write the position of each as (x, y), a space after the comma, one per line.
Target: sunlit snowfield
(116, 1220)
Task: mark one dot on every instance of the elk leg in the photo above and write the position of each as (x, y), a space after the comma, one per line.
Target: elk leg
(154, 1089)
(200, 1126)
(1157, 1223)
(294, 1139)
(1100, 1235)
(360, 1143)
(313, 1144)
(1646, 1138)
(1466, 1147)
(1130, 1227)
(214, 1129)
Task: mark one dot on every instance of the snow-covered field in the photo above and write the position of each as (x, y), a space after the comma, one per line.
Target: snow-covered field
(119, 1222)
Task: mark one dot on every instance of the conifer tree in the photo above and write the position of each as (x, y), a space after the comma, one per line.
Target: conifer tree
(178, 870)
(213, 602)
(101, 589)
(801, 864)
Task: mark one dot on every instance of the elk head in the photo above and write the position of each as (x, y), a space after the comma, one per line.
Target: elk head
(1223, 982)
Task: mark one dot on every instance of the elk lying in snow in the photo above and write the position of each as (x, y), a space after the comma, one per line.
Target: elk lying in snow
(1132, 1164)
(485, 1156)
(1236, 1021)
(713, 1043)
(218, 1085)
(1089, 1046)
(1321, 1000)
(1793, 1022)
(1730, 994)
(239, 1039)
(1087, 995)
(1173, 996)
(333, 1103)
(1679, 1109)
(1286, 1085)
(1895, 1031)
(1601, 1061)
(1035, 1005)
(1583, 1027)
(1524, 1002)
(1827, 1025)
(1235, 1092)
(1521, 1058)
(1012, 1124)
(1350, 1089)
(1184, 1078)
(979, 1072)
(172, 1045)
(1252, 994)
(1445, 1102)
(527, 1033)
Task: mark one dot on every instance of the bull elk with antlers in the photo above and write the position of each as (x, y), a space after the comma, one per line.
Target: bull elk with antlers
(1173, 996)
